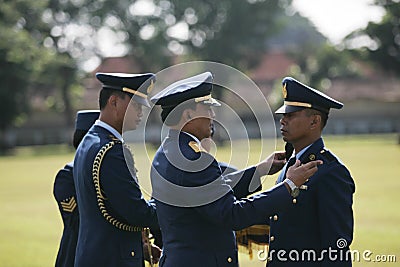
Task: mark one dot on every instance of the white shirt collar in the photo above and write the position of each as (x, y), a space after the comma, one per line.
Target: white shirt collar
(109, 128)
(298, 155)
(194, 137)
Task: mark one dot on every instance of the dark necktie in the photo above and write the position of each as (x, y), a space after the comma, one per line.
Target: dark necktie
(282, 176)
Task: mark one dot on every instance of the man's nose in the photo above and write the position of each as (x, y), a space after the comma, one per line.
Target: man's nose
(282, 120)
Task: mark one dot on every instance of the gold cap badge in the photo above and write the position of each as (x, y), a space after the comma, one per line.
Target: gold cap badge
(150, 88)
(284, 91)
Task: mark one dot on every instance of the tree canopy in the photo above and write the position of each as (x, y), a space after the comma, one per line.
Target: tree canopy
(47, 43)
(155, 30)
(22, 57)
(383, 38)
(44, 41)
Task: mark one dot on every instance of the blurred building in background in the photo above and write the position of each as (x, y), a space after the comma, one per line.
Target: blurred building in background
(372, 103)
(46, 88)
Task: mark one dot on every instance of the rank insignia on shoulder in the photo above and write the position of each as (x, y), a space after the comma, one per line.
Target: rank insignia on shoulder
(113, 138)
(196, 147)
(68, 204)
(327, 155)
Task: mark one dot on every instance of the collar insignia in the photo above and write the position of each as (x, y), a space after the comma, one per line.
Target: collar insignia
(196, 147)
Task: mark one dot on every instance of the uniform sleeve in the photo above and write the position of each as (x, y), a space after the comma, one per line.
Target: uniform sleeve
(335, 195)
(239, 214)
(156, 231)
(65, 195)
(122, 191)
(64, 184)
(244, 182)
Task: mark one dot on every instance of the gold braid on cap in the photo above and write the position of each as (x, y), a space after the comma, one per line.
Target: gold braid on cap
(100, 198)
(202, 98)
(297, 104)
(134, 92)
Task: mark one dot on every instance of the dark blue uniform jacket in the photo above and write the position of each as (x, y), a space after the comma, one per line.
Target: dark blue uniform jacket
(203, 235)
(101, 242)
(64, 193)
(321, 219)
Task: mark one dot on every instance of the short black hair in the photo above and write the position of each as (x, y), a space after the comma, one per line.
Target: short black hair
(324, 116)
(105, 95)
(177, 112)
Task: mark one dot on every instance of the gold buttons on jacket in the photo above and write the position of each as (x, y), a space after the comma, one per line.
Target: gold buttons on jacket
(272, 238)
(303, 187)
(229, 259)
(275, 217)
(133, 253)
(294, 201)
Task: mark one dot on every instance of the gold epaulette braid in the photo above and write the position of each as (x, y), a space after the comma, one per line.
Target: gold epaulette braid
(100, 198)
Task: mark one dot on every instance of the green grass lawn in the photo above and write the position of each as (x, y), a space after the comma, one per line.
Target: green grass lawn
(30, 226)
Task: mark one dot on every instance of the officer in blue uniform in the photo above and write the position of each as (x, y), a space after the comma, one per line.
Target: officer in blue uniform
(319, 228)
(196, 206)
(112, 210)
(64, 193)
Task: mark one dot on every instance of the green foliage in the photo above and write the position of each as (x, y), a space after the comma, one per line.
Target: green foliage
(317, 61)
(21, 56)
(324, 63)
(155, 31)
(45, 40)
(316, 66)
(384, 48)
(239, 33)
(25, 63)
(209, 30)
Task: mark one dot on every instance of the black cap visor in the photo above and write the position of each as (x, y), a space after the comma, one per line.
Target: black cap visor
(288, 109)
(141, 100)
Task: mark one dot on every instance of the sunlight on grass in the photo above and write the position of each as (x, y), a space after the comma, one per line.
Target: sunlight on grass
(31, 227)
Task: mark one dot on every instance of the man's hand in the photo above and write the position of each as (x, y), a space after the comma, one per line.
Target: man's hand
(299, 174)
(272, 164)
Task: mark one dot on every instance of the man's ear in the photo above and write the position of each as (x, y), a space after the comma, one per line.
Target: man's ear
(187, 114)
(316, 121)
(112, 100)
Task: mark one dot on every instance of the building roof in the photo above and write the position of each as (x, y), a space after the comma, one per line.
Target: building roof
(274, 66)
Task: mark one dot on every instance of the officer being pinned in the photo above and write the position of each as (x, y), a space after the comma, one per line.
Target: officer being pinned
(321, 219)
